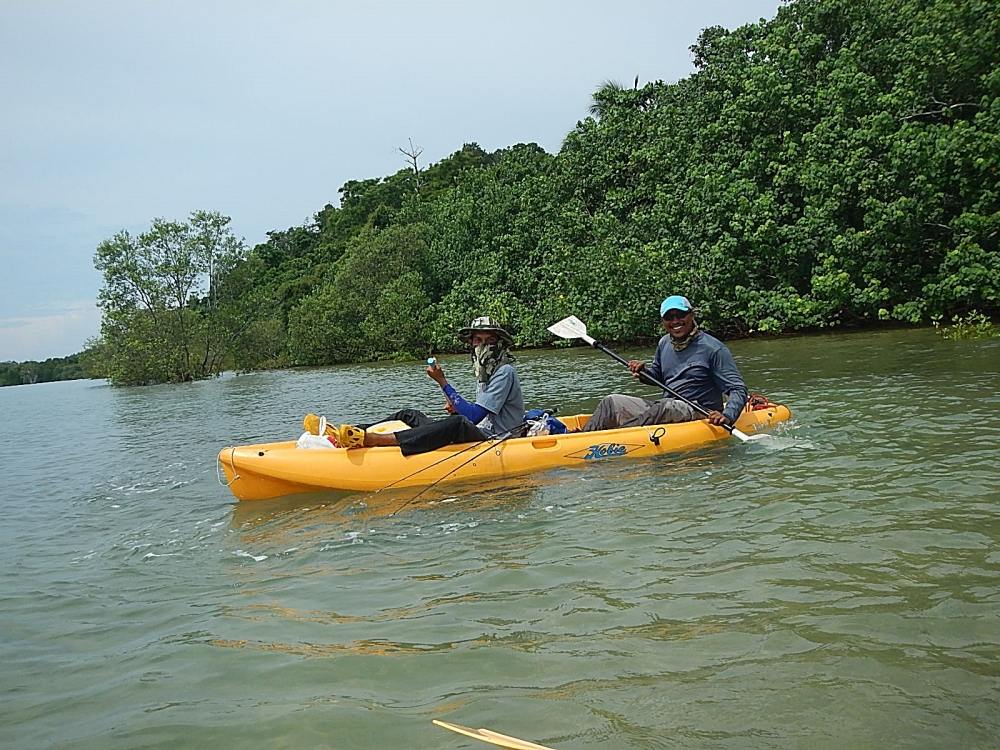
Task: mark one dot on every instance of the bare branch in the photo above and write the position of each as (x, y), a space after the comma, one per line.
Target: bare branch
(411, 156)
(944, 108)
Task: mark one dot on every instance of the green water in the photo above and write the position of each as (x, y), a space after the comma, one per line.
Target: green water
(834, 588)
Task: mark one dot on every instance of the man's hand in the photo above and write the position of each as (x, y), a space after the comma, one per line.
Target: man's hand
(718, 418)
(449, 407)
(435, 373)
(636, 365)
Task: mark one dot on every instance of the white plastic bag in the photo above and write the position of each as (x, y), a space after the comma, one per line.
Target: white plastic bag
(309, 441)
(538, 426)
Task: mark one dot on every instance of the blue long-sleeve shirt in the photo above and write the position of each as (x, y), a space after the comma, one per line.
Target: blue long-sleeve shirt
(499, 405)
(703, 372)
(473, 412)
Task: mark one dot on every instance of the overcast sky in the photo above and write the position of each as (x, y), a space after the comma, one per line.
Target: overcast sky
(118, 111)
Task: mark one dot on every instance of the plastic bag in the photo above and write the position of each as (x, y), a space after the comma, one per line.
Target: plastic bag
(311, 442)
(538, 427)
(541, 422)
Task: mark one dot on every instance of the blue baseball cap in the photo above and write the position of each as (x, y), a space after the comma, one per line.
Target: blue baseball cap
(675, 302)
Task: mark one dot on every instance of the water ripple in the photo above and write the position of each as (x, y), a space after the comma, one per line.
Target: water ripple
(833, 586)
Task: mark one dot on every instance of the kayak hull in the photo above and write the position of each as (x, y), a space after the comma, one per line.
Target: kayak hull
(270, 470)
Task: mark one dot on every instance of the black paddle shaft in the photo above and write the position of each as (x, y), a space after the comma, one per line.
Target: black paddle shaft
(650, 379)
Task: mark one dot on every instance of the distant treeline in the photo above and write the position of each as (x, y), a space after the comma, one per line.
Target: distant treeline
(836, 165)
(55, 368)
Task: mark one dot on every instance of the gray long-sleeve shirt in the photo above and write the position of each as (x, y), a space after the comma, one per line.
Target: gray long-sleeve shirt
(702, 372)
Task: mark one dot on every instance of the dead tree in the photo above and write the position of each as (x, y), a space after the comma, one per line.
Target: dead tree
(411, 156)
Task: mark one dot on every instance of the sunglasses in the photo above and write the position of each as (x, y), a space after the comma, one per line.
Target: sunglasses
(676, 314)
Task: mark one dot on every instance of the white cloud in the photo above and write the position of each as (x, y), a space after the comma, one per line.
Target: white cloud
(55, 333)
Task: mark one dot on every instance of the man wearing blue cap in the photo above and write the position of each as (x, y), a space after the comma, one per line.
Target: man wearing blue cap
(691, 362)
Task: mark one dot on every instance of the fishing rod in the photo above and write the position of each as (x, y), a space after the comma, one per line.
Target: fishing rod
(505, 437)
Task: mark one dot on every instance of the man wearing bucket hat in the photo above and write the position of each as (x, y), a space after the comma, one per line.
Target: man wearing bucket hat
(691, 362)
(498, 409)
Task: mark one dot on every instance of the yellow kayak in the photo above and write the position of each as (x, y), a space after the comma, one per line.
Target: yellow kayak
(269, 470)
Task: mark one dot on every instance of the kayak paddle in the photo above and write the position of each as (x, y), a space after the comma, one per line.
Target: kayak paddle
(574, 328)
(494, 738)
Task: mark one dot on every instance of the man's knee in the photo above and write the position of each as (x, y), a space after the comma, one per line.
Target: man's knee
(612, 402)
(412, 417)
(666, 411)
(459, 429)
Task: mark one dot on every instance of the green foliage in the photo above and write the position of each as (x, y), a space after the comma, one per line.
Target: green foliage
(972, 325)
(374, 307)
(175, 301)
(72, 367)
(483, 241)
(836, 165)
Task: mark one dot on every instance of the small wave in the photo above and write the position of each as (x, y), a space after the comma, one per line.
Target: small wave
(244, 553)
(784, 442)
(150, 555)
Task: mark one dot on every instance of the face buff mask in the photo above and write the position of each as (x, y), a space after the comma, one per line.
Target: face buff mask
(487, 358)
(682, 344)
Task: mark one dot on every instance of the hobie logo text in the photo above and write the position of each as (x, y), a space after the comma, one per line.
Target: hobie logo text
(605, 450)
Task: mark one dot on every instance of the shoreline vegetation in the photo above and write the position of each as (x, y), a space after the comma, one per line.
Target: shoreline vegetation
(73, 367)
(835, 167)
(84, 366)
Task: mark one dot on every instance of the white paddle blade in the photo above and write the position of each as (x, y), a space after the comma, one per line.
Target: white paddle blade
(494, 738)
(571, 328)
(743, 437)
(514, 741)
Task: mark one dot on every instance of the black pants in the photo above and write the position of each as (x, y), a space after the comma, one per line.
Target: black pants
(426, 434)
